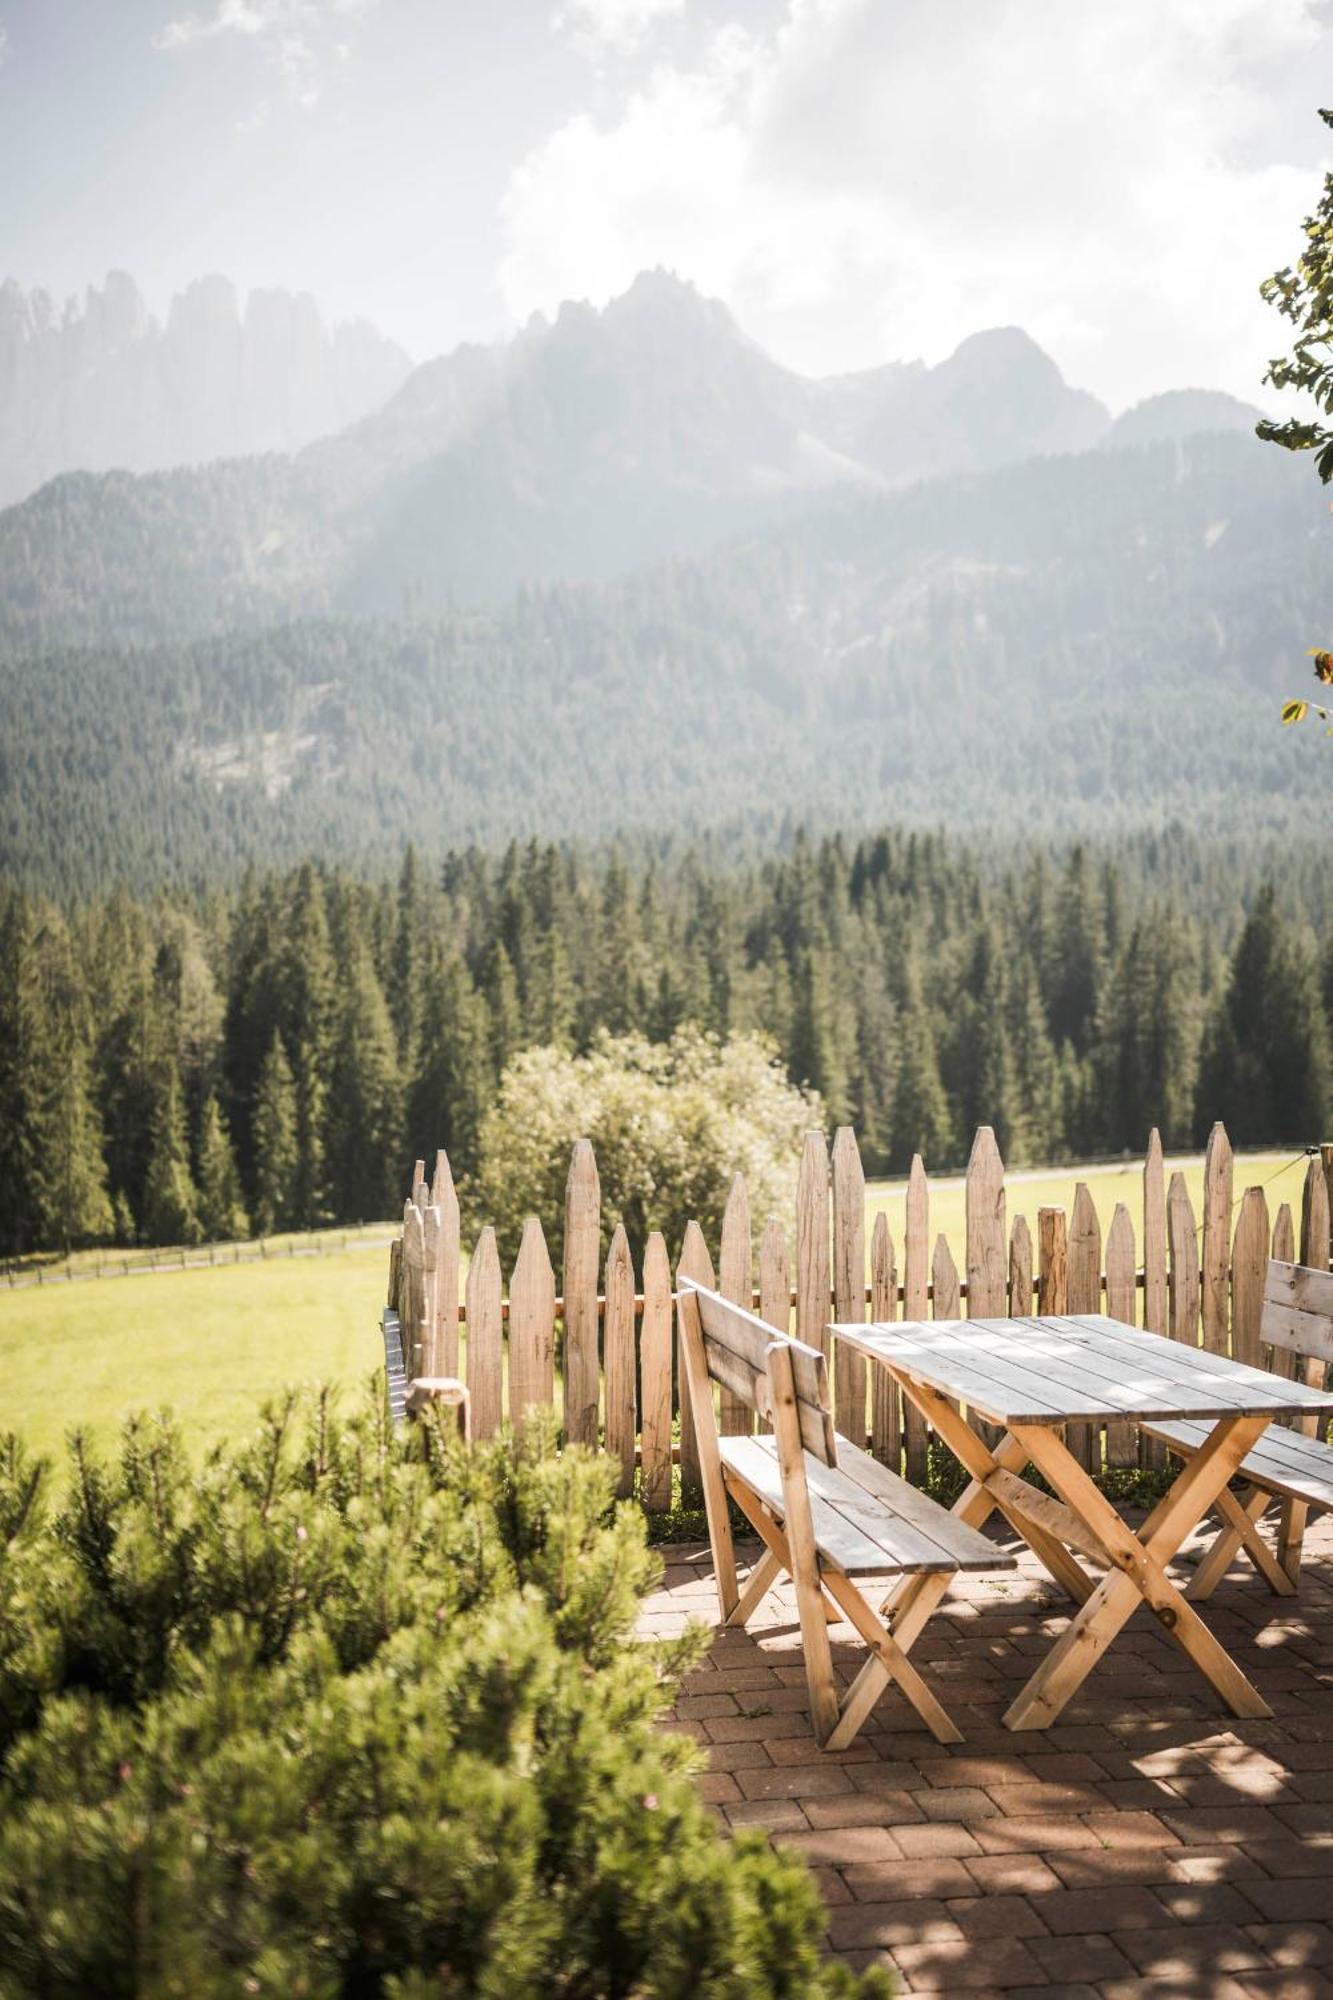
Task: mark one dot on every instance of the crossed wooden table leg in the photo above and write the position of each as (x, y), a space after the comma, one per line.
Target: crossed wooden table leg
(1083, 1519)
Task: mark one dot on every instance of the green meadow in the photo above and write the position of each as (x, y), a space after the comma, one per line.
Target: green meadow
(211, 1343)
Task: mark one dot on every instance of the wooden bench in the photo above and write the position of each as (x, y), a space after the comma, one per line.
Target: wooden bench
(825, 1511)
(1290, 1468)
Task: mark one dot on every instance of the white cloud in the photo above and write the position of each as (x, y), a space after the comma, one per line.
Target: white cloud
(293, 35)
(4, 41)
(872, 181)
(615, 25)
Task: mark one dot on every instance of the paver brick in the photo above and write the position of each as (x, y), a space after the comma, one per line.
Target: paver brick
(1146, 1847)
(959, 1967)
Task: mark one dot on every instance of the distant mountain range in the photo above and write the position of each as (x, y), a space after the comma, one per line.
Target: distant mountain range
(580, 450)
(626, 572)
(102, 385)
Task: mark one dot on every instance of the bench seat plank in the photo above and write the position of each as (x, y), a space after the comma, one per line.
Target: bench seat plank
(969, 1549)
(857, 1522)
(1283, 1462)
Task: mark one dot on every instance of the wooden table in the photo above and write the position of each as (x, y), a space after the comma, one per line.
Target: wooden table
(1033, 1376)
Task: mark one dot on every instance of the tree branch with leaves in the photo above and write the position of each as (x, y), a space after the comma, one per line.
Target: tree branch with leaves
(1303, 294)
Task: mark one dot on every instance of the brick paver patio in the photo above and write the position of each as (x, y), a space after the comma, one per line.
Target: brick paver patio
(1148, 1844)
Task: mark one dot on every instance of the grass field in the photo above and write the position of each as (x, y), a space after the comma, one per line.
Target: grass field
(213, 1342)
(1280, 1176)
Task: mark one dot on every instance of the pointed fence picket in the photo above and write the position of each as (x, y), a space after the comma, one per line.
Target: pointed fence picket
(621, 1388)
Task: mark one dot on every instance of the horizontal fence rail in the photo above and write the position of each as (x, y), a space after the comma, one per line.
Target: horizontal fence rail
(613, 1329)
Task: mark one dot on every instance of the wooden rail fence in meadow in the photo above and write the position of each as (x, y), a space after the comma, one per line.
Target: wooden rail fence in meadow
(619, 1382)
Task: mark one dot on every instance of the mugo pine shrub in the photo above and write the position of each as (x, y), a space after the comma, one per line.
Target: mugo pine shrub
(356, 1713)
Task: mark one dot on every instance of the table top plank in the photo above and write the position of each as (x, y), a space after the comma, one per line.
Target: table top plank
(1058, 1358)
(1076, 1367)
(1048, 1375)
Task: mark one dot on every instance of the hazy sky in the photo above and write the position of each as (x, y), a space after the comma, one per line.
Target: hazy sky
(861, 180)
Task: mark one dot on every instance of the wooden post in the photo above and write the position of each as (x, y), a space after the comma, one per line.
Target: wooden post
(694, 1262)
(986, 1245)
(412, 1290)
(849, 1280)
(1152, 1454)
(885, 1409)
(583, 1229)
(813, 1289)
(484, 1335)
(1052, 1263)
(1314, 1217)
(1183, 1242)
(735, 1281)
(431, 1231)
(1085, 1296)
(1122, 1443)
(618, 1341)
(944, 1280)
(774, 1284)
(1284, 1236)
(655, 1366)
(445, 1197)
(395, 1271)
(916, 1303)
(531, 1326)
(1154, 1237)
(987, 1275)
(1249, 1266)
(1326, 1155)
(1020, 1269)
(1281, 1360)
(774, 1277)
(1215, 1256)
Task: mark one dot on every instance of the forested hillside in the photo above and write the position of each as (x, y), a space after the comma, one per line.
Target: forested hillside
(271, 1056)
(1085, 642)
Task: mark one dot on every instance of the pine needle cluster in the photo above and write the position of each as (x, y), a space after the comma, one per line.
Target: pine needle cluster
(351, 1712)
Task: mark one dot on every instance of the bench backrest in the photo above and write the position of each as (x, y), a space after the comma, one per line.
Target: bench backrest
(1298, 1311)
(736, 1347)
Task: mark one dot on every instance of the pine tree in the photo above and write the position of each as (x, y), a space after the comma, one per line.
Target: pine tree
(815, 1058)
(921, 1117)
(455, 1078)
(307, 984)
(506, 1016)
(275, 1143)
(1077, 967)
(365, 1101)
(171, 1201)
(222, 1214)
(406, 959)
(53, 1188)
(552, 1002)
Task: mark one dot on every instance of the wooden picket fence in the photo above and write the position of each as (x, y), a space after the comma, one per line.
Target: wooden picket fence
(623, 1391)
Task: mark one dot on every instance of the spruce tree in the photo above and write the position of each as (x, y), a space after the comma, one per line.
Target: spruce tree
(409, 942)
(455, 1080)
(308, 1001)
(921, 1117)
(506, 1015)
(171, 1200)
(365, 1153)
(275, 1143)
(222, 1214)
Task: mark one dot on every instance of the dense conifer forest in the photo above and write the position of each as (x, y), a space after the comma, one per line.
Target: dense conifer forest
(270, 1055)
(1074, 645)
